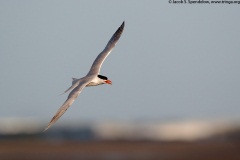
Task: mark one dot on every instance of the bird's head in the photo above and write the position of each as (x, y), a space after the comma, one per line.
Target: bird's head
(105, 79)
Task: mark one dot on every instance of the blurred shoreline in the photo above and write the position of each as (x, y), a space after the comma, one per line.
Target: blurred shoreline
(114, 130)
(178, 140)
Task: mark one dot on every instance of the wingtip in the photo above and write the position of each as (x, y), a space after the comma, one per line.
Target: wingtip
(123, 23)
(120, 29)
(45, 129)
(49, 125)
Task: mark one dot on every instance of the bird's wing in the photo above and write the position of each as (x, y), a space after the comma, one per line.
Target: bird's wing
(96, 66)
(71, 98)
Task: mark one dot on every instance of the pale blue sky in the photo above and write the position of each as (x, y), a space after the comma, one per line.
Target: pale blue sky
(172, 61)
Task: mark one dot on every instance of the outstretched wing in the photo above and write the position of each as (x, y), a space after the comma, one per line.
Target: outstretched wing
(96, 66)
(71, 98)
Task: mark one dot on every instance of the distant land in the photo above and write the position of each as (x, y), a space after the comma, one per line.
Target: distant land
(154, 131)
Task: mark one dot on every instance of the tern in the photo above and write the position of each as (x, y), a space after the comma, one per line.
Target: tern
(93, 78)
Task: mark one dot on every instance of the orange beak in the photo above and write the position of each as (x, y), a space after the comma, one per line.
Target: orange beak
(108, 81)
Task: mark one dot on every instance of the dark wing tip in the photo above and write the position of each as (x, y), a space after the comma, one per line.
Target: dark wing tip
(118, 33)
(123, 24)
(120, 29)
(116, 36)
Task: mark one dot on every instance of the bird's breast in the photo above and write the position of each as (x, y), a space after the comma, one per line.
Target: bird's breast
(93, 84)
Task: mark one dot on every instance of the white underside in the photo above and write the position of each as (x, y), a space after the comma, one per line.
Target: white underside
(95, 82)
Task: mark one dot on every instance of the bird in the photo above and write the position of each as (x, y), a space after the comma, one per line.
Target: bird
(93, 78)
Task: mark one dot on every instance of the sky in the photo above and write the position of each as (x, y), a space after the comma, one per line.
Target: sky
(173, 61)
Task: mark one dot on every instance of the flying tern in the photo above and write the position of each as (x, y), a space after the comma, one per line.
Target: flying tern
(93, 78)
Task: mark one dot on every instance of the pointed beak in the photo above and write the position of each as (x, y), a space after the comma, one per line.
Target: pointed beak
(108, 82)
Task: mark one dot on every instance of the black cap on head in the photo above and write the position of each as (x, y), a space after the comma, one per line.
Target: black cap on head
(102, 77)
